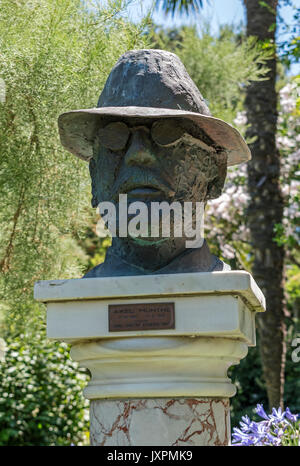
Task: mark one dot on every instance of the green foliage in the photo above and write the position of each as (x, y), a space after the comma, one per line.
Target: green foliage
(41, 400)
(291, 435)
(220, 66)
(187, 6)
(247, 377)
(292, 369)
(94, 246)
(55, 56)
(287, 233)
(292, 284)
(292, 373)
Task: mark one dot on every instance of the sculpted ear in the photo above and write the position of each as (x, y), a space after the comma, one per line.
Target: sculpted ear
(92, 168)
(215, 187)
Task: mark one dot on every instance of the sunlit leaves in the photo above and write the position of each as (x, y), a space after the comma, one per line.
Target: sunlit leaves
(220, 66)
(187, 6)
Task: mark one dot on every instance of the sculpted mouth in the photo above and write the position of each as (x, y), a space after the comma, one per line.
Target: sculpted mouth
(144, 191)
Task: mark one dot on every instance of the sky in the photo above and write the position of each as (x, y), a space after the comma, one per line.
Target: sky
(216, 12)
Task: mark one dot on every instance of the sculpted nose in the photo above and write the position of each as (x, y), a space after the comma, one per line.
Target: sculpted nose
(139, 151)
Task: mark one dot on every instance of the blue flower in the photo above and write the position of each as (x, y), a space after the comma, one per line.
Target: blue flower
(246, 424)
(261, 412)
(277, 415)
(239, 436)
(273, 430)
(275, 441)
(290, 416)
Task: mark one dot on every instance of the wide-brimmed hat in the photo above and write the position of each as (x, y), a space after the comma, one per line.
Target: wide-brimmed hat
(149, 85)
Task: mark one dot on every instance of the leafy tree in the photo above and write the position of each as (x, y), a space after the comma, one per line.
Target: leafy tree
(266, 205)
(55, 55)
(220, 66)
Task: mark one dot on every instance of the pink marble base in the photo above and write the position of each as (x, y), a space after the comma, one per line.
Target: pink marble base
(160, 422)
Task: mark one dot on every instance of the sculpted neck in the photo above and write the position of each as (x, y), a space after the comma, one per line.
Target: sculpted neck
(148, 257)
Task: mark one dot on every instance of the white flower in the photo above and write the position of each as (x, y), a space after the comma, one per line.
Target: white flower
(284, 142)
(288, 95)
(294, 157)
(294, 188)
(240, 119)
(228, 251)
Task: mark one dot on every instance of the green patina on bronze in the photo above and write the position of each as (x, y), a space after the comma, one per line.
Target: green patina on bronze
(152, 137)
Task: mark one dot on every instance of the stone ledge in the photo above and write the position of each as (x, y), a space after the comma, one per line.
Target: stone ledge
(201, 283)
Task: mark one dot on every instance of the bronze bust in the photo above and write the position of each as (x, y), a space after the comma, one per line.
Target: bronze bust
(153, 138)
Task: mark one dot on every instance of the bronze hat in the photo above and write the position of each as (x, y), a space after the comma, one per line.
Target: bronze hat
(149, 84)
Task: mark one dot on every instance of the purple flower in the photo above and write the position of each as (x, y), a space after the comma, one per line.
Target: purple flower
(239, 436)
(261, 412)
(246, 424)
(290, 416)
(277, 415)
(274, 430)
(275, 441)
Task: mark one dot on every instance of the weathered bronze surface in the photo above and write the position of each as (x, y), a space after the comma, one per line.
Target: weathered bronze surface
(144, 316)
(152, 138)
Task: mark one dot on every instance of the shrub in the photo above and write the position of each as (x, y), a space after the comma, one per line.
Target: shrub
(41, 401)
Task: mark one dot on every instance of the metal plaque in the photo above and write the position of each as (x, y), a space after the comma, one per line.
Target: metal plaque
(144, 316)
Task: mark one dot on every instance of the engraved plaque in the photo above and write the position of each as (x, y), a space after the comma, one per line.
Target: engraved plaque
(144, 316)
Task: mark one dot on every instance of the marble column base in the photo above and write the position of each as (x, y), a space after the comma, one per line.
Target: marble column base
(160, 422)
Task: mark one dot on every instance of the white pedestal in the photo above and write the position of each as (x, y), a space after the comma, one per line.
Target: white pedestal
(214, 325)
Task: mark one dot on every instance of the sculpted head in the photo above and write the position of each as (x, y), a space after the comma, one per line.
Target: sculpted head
(152, 136)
